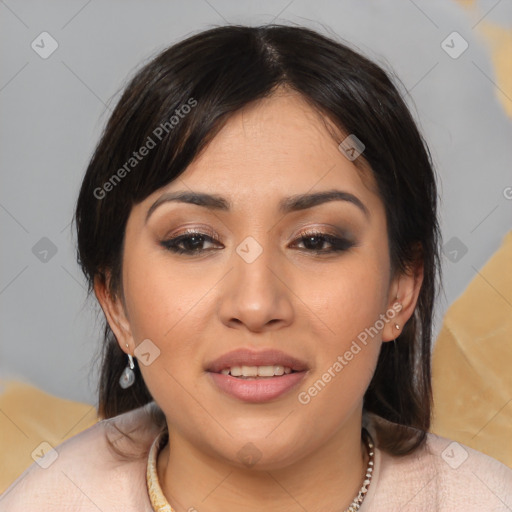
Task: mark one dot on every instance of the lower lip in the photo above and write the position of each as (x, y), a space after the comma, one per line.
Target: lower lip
(257, 390)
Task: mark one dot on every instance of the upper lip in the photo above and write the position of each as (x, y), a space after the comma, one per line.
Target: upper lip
(248, 357)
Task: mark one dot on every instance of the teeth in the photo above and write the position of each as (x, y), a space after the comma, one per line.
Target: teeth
(266, 371)
(278, 370)
(256, 371)
(249, 371)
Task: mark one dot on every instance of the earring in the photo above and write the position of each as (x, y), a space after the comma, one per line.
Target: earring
(128, 376)
(400, 304)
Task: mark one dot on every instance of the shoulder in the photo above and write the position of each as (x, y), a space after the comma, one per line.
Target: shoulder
(446, 475)
(485, 478)
(96, 469)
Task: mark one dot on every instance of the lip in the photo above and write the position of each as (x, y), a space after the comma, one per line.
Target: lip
(256, 390)
(247, 357)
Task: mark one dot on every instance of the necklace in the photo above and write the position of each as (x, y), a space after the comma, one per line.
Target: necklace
(160, 504)
(358, 500)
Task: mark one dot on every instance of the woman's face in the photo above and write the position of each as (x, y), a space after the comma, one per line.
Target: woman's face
(257, 277)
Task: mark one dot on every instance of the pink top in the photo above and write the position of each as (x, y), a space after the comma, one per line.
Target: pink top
(85, 474)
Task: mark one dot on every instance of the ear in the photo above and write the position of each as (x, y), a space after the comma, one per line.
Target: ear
(403, 296)
(115, 314)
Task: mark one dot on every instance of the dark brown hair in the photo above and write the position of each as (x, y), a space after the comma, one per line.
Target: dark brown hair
(223, 69)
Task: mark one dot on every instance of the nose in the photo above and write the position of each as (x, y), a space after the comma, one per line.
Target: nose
(256, 294)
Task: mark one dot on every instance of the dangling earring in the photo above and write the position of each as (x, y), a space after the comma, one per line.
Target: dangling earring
(128, 376)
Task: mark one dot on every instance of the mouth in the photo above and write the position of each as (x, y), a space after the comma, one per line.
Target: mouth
(256, 377)
(257, 372)
(250, 363)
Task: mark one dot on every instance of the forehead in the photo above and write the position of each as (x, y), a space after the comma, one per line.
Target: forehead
(275, 147)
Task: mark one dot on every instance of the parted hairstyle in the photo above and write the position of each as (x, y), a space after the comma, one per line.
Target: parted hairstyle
(216, 73)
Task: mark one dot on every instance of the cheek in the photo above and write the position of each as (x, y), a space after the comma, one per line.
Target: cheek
(166, 308)
(172, 305)
(347, 299)
(158, 297)
(348, 309)
(336, 391)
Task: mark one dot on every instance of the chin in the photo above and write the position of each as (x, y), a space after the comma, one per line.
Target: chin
(261, 453)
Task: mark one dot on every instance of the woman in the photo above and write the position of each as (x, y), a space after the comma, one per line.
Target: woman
(259, 225)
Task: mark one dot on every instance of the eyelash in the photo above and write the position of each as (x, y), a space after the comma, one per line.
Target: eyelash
(338, 244)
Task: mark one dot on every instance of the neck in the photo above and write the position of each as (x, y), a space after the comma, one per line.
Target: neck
(327, 479)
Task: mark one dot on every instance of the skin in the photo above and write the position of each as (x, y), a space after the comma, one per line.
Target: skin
(196, 308)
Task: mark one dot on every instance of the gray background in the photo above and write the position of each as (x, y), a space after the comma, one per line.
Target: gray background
(53, 111)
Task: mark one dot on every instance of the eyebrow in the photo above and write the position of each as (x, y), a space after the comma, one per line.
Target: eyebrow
(287, 205)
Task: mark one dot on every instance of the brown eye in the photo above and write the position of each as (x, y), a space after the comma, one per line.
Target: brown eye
(315, 241)
(190, 243)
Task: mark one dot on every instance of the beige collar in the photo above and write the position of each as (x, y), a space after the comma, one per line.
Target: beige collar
(156, 496)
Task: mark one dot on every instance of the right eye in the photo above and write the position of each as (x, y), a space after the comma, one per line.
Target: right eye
(190, 243)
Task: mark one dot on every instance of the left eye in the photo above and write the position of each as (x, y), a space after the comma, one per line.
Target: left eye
(315, 241)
